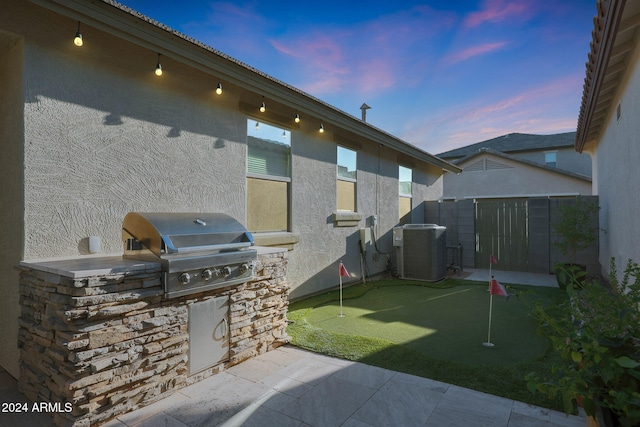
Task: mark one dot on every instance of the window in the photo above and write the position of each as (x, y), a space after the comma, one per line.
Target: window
(405, 177)
(268, 177)
(550, 159)
(346, 180)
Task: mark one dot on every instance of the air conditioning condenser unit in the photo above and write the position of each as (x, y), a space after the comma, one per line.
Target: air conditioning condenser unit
(421, 251)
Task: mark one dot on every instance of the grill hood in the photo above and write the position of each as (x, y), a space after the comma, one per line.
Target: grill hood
(197, 251)
(165, 233)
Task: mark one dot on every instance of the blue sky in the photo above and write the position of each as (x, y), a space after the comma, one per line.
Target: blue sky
(438, 74)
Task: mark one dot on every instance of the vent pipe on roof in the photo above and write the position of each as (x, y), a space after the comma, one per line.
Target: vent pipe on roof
(364, 107)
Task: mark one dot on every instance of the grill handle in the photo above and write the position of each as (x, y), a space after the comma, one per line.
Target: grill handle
(225, 246)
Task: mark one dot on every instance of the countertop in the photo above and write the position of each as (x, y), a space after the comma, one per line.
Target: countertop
(100, 265)
(89, 266)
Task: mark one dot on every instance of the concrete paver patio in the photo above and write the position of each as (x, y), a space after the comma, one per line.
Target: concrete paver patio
(294, 387)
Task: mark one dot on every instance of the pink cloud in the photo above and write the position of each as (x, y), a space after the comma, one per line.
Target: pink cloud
(470, 52)
(535, 99)
(233, 13)
(323, 52)
(375, 75)
(535, 110)
(220, 27)
(495, 11)
(323, 60)
(472, 134)
(331, 65)
(366, 57)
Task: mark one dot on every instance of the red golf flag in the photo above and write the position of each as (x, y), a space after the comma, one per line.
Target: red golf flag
(493, 259)
(497, 289)
(343, 271)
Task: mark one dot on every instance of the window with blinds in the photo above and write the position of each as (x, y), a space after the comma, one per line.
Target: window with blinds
(405, 178)
(346, 179)
(268, 150)
(268, 177)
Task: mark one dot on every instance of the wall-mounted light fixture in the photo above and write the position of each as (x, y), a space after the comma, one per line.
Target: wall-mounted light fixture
(263, 106)
(219, 88)
(297, 118)
(321, 130)
(158, 67)
(78, 38)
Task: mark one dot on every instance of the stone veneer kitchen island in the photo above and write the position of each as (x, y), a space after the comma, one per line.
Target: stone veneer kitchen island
(98, 338)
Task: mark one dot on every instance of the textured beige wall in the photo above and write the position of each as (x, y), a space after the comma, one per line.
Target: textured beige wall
(100, 142)
(518, 179)
(313, 264)
(617, 174)
(567, 158)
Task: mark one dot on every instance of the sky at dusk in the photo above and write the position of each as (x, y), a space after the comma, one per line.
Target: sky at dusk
(437, 74)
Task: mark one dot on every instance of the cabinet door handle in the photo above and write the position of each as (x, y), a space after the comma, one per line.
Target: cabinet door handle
(226, 327)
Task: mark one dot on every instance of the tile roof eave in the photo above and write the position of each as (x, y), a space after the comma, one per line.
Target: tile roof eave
(604, 34)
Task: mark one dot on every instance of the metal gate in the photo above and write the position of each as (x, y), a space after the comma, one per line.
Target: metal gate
(502, 229)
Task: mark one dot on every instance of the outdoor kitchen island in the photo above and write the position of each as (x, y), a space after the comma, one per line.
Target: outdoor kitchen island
(99, 336)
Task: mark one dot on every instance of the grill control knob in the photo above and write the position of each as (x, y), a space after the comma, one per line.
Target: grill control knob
(225, 271)
(184, 278)
(243, 268)
(207, 274)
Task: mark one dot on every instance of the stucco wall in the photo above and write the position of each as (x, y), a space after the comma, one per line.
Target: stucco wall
(313, 264)
(618, 176)
(101, 140)
(566, 158)
(516, 179)
(104, 136)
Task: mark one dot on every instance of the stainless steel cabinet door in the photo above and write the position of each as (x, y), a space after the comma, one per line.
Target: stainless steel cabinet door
(208, 333)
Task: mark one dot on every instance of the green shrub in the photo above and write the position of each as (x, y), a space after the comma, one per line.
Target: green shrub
(575, 227)
(597, 334)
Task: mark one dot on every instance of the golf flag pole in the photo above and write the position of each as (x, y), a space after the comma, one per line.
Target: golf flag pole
(492, 260)
(489, 343)
(342, 271)
(495, 288)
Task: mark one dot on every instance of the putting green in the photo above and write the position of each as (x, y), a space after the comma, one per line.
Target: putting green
(447, 324)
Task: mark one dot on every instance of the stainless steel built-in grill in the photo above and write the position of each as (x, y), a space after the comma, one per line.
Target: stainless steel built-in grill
(197, 251)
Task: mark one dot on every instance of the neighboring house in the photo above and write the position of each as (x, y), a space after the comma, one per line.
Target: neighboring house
(90, 133)
(506, 199)
(518, 165)
(609, 129)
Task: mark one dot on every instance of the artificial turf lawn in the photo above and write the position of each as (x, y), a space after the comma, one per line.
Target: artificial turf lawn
(432, 330)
